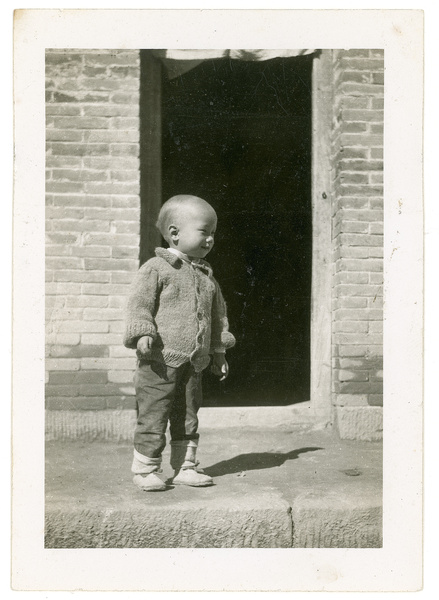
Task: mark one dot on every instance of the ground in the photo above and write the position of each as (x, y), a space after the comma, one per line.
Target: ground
(273, 488)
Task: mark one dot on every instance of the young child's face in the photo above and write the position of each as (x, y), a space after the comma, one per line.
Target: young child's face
(195, 231)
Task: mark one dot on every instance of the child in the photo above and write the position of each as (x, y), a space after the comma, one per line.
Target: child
(177, 321)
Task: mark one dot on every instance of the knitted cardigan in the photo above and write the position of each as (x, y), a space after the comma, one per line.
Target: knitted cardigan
(181, 307)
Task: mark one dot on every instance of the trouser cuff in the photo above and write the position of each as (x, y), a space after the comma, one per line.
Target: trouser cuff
(145, 464)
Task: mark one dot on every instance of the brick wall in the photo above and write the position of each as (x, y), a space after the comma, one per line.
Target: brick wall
(93, 217)
(92, 227)
(357, 159)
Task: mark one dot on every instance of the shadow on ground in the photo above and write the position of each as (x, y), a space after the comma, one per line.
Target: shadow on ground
(254, 461)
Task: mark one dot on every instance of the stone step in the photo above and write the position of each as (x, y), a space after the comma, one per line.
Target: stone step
(273, 489)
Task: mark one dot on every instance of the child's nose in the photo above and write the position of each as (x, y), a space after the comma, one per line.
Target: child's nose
(209, 238)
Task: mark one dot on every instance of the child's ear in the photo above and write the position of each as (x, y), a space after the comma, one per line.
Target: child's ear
(173, 232)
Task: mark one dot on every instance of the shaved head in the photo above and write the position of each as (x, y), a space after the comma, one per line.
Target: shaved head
(178, 207)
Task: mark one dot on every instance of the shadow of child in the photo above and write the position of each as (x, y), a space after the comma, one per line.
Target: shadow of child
(254, 461)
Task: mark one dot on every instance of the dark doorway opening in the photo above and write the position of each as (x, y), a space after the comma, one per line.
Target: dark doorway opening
(239, 135)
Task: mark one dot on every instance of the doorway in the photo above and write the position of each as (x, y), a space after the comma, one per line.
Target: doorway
(239, 135)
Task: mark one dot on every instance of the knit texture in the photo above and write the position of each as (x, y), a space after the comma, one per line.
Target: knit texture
(181, 307)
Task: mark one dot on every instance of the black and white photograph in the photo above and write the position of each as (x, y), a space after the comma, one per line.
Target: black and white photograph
(228, 256)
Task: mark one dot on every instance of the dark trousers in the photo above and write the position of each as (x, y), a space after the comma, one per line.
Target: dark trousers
(165, 394)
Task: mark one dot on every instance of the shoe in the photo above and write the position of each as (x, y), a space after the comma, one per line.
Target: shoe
(149, 482)
(185, 465)
(145, 471)
(192, 477)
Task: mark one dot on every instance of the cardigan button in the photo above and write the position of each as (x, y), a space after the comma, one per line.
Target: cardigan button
(199, 316)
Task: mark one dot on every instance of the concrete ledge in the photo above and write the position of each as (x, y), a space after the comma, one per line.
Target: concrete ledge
(336, 522)
(359, 422)
(90, 425)
(247, 526)
(118, 425)
(273, 489)
(352, 422)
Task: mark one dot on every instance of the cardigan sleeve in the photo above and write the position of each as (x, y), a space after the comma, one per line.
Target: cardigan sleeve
(141, 306)
(221, 338)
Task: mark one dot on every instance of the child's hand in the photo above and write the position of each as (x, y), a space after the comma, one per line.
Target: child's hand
(220, 366)
(144, 345)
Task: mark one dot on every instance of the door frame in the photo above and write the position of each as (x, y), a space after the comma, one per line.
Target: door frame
(321, 282)
(319, 407)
